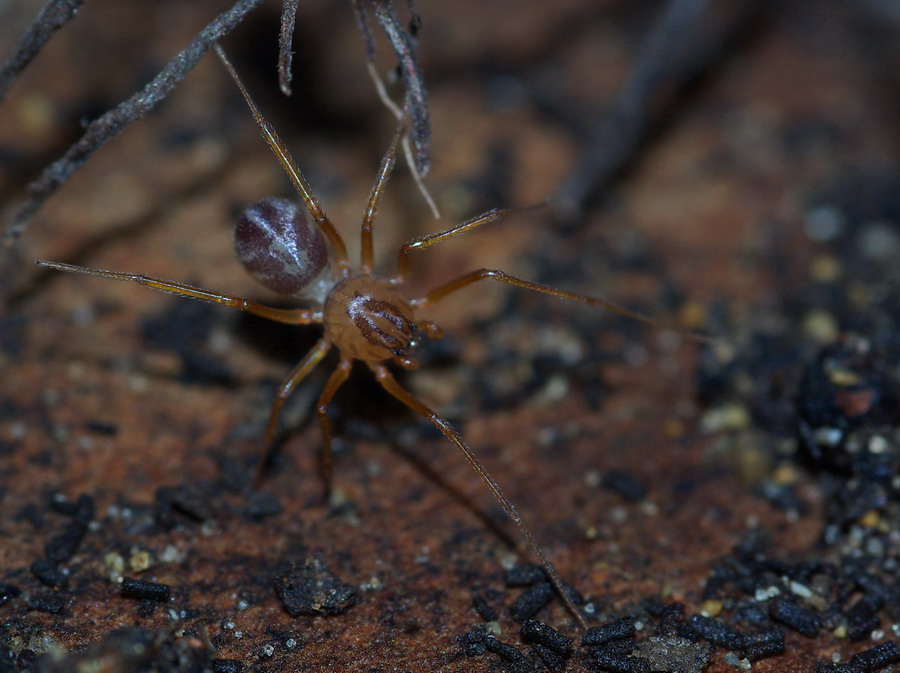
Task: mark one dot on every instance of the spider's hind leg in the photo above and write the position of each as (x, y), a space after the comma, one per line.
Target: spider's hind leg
(298, 373)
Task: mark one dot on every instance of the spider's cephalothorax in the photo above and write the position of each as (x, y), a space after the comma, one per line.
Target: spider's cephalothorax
(368, 318)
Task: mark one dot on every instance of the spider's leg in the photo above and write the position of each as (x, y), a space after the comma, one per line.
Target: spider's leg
(495, 274)
(337, 378)
(298, 373)
(389, 383)
(290, 316)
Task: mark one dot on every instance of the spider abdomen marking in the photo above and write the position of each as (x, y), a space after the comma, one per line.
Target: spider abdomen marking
(369, 319)
(279, 246)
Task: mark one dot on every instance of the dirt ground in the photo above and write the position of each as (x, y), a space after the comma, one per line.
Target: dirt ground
(761, 208)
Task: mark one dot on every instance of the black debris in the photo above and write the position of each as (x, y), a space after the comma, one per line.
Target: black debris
(752, 613)
(520, 663)
(311, 589)
(483, 608)
(8, 592)
(524, 575)
(598, 635)
(179, 325)
(102, 428)
(234, 475)
(671, 620)
(795, 617)
(261, 505)
(50, 603)
(472, 641)
(49, 575)
(84, 509)
(60, 504)
(759, 651)
(227, 666)
(862, 618)
(848, 384)
(63, 547)
(864, 662)
(877, 592)
(132, 588)
(717, 632)
(624, 484)
(184, 327)
(768, 643)
(616, 663)
(831, 667)
(192, 501)
(877, 657)
(184, 500)
(552, 660)
(32, 514)
(537, 632)
(81, 509)
(862, 629)
(654, 605)
(531, 601)
(572, 594)
(620, 646)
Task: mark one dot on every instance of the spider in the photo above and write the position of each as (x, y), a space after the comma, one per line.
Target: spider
(366, 317)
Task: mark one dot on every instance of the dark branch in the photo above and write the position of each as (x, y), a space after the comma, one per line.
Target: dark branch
(413, 82)
(285, 43)
(53, 16)
(665, 61)
(362, 22)
(110, 123)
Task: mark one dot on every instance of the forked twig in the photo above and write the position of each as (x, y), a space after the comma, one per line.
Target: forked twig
(381, 90)
(403, 43)
(109, 124)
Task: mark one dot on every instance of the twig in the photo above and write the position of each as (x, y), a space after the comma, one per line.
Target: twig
(407, 149)
(53, 16)
(111, 123)
(413, 82)
(661, 65)
(285, 43)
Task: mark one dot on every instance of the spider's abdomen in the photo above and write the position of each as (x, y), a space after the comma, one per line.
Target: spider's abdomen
(369, 319)
(280, 247)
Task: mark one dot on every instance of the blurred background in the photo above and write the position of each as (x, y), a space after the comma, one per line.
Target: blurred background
(731, 168)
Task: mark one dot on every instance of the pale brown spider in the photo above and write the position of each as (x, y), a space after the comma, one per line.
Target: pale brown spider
(366, 317)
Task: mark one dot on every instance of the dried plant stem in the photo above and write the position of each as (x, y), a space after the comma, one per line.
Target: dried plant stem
(112, 122)
(53, 16)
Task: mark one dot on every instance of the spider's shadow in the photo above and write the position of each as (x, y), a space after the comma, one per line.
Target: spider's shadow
(491, 522)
